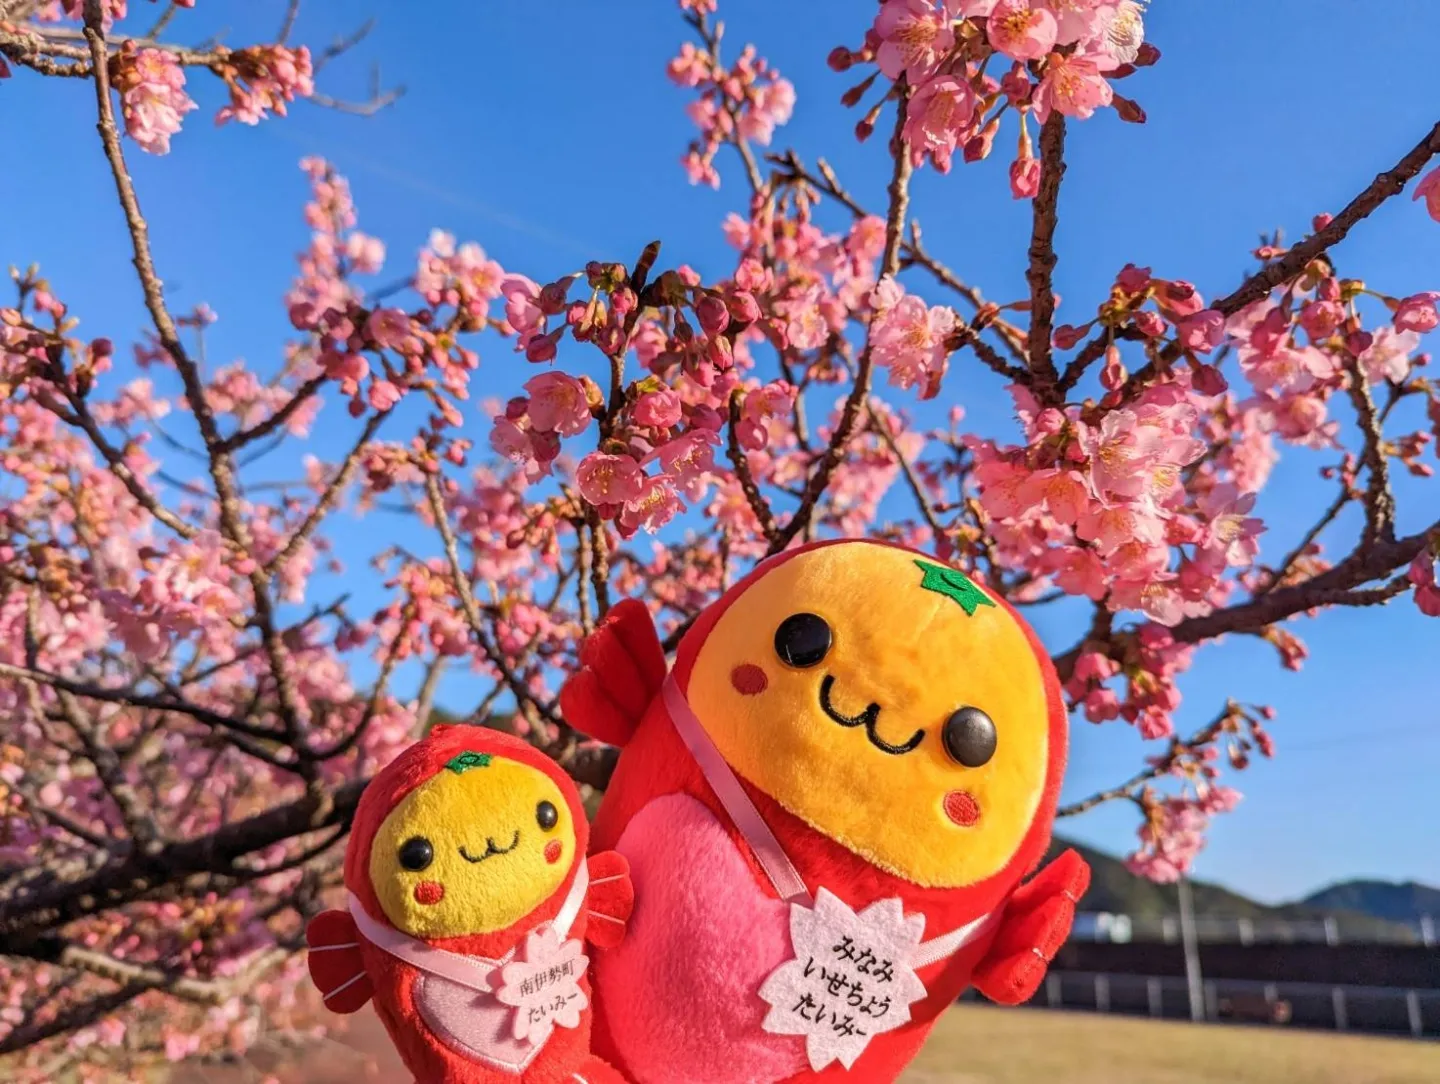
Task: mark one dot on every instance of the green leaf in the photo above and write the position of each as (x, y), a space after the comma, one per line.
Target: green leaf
(954, 584)
(468, 760)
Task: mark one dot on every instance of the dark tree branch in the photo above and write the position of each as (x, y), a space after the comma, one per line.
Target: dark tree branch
(1041, 272)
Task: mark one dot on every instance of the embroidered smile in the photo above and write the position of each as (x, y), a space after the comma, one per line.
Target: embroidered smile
(490, 849)
(867, 719)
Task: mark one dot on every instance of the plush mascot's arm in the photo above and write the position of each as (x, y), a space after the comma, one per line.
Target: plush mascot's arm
(336, 966)
(610, 900)
(1034, 925)
(622, 667)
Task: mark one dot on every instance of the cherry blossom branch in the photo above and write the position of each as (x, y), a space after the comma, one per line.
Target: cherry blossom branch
(758, 504)
(72, 1018)
(1385, 186)
(1042, 253)
(203, 991)
(899, 191)
(142, 701)
(1282, 570)
(330, 496)
(880, 427)
(711, 36)
(913, 251)
(1159, 767)
(1379, 499)
(303, 394)
(471, 608)
(34, 911)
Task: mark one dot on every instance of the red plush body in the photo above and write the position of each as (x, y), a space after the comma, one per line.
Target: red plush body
(351, 970)
(713, 1038)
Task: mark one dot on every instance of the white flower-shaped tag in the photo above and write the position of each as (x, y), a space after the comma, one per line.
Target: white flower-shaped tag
(544, 985)
(850, 979)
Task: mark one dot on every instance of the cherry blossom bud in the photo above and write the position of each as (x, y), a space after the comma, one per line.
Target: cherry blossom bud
(553, 297)
(1208, 380)
(1149, 323)
(743, 306)
(840, 59)
(1114, 374)
(623, 301)
(1129, 110)
(714, 318)
(542, 347)
(1067, 337)
(515, 408)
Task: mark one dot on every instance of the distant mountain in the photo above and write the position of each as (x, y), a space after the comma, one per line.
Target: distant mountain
(1363, 907)
(1397, 901)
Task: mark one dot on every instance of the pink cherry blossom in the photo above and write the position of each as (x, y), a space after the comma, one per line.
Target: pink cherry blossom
(609, 480)
(1388, 356)
(936, 118)
(1422, 574)
(911, 340)
(388, 327)
(1072, 85)
(152, 94)
(1429, 190)
(558, 404)
(656, 505)
(914, 37)
(1202, 332)
(1020, 30)
(658, 409)
(1120, 33)
(1418, 312)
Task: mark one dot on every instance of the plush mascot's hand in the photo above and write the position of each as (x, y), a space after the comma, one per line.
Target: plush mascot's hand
(622, 667)
(1035, 923)
(610, 900)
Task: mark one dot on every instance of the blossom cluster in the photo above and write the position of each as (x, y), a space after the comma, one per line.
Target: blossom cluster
(746, 101)
(151, 83)
(1063, 56)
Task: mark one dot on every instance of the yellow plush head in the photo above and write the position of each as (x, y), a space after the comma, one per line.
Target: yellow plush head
(890, 703)
(473, 849)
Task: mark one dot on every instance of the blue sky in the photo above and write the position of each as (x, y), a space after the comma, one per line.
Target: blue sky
(549, 134)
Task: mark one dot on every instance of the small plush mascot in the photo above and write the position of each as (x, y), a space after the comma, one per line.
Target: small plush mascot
(471, 904)
(829, 807)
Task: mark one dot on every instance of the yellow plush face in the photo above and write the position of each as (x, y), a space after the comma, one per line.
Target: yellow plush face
(893, 707)
(473, 849)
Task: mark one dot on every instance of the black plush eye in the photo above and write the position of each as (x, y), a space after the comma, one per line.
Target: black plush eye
(970, 737)
(416, 853)
(802, 640)
(546, 816)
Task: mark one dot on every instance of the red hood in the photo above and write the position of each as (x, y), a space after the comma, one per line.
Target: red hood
(1037, 838)
(421, 762)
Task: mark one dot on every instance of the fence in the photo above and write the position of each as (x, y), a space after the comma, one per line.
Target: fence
(1117, 928)
(1310, 1005)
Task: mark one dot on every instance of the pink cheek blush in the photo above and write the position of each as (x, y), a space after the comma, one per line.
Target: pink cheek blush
(552, 851)
(749, 679)
(962, 808)
(429, 892)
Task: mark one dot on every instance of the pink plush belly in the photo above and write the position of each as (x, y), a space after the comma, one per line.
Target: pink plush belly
(681, 991)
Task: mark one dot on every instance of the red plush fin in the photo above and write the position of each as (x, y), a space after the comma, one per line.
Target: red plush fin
(336, 966)
(622, 667)
(610, 900)
(1035, 924)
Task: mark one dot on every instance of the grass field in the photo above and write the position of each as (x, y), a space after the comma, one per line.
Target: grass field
(980, 1045)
